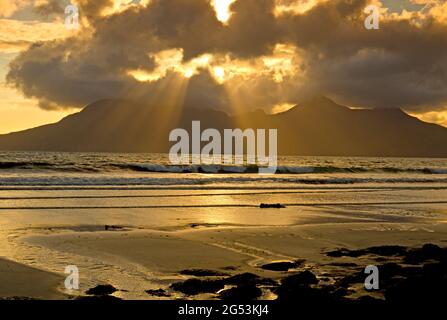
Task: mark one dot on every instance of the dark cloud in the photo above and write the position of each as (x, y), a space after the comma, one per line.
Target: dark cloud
(400, 65)
(403, 64)
(51, 7)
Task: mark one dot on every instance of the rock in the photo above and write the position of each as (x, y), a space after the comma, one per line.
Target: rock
(434, 270)
(303, 294)
(203, 273)
(336, 292)
(432, 250)
(158, 293)
(112, 228)
(193, 287)
(101, 290)
(378, 250)
(427, 252)
(344, 264)
(241, 293)
(274, 206)
(418, 290)
(387, 250)
(343, 252)
(346, 281)
(249, 279)
(304, 278)
(282, 266)
(230, 268)
(389, 270)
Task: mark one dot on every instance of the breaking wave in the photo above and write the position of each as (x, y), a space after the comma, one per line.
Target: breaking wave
(205, 168)
(226, 180)
(222, 169)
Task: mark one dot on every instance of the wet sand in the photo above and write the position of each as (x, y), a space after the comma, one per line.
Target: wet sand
(145, 252)
(156, 259)
(19, 281)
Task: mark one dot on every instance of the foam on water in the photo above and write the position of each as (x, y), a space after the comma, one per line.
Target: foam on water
(90, 169)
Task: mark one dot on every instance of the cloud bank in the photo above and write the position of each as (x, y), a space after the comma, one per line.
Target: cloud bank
(268, 53)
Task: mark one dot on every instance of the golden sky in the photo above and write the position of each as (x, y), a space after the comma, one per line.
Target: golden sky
(228, 54)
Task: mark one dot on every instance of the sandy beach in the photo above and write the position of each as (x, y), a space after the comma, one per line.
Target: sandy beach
(19, 281)
(144, 252)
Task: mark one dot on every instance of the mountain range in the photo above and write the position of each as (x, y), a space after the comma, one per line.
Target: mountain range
(316, 127)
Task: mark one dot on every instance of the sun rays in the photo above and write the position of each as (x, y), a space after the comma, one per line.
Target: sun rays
(236, 76)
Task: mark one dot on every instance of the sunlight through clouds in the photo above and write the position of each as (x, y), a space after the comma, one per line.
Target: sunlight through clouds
(222, 8)
(265, 54)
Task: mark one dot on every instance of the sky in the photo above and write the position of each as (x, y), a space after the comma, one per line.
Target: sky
(233, 55)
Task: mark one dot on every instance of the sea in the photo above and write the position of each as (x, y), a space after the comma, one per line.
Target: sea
(68, 170)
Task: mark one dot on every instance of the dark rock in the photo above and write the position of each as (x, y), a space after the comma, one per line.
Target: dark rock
(427, 252)
(346, 281)
(389, 270)
(434, 270)
(343, 252)
(241, 293)
(381, 259)
(112, 228)
(303, 294)
(272, 206)
(387, 250)
(335, 291)
(195, 286)
(417, 290)
(411, 271)
(282, 266)
(202, 273)
(304, 278)
(432, 250)
(379, 250)
(246, 278)
(230, 268)
(158, 293)
(340, 292)
(101, 290)
(344, 264)
(249, 279)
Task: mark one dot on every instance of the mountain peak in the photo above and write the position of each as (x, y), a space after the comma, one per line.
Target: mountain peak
(320, 103)
(320, 99)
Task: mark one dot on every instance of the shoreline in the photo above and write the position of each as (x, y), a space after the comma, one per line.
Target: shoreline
(144, 264)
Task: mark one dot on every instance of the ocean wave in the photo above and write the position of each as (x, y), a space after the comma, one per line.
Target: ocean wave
(23, 165)
(206, 168)
(63, 167)
(214, 169)
(222, 169)
(165, 181)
